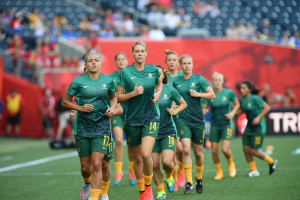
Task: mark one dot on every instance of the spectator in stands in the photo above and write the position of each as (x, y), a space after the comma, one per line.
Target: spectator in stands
(144, 32)
(69, 33)
(285, 40)
(1, 109)
(15, 24)
(107, 32)
(213, 9)
(231, 31)
(156, 34)
(84, 25)
(74, 63)
(128, 26)
(47, 107)
(288, 97)
(142, 4)
(241, 30)
(34, 15)
(295, 40)
(119, 21)
(65, 61)
(267, 95)
(171, 22)
(39, 28)
(15, 49)
(198, 8)
(60, 20)
(249, 31)
(264, 30)
(164, 5)
(185, 20)
(14, 104)
(4, 19)
(155, 18)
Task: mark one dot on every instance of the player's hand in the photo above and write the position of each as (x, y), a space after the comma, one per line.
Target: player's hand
(155, 98)
(175, 106)
(172, 111)
(109, 112)
(72, 114)
(205, 111)
(256, 121)
(229, 115)
(86, 108)
(194, 93)
(138, 90)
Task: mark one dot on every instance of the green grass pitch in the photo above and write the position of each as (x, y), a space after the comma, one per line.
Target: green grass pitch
(60, 179)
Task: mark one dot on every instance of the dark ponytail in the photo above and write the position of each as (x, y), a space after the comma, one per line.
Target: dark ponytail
(252, 87)
(165, 80)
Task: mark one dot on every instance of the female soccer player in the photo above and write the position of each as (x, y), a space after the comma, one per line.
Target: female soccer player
(105, 164)
(172, 62)
(255, 109)
(118, 129)
(136, 86)
(221, 123)
(164, 146)
(95, 95)
(190, 125)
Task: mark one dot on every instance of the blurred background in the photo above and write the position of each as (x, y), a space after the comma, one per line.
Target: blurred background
(43, 44)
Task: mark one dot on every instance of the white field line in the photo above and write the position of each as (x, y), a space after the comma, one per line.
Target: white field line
(125, 172)
(38, 162)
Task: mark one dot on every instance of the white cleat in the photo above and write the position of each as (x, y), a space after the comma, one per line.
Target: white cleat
(104, 197)
(85, 192)
(253, 174)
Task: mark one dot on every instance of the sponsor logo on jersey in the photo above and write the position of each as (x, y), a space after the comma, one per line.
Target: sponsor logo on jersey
(179, 85)
(132, 77)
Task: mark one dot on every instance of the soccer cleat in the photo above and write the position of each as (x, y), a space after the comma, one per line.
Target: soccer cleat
(170, 184)
(188, 188)
(85, 192)
(104, 197)
(181, 179)
(132, 178)
(253, 174)
(199, 186)
(273, 166)
(148, 192)
(161, 195)
(117, 178)
(219, 175)
(232, 170)
(176, 186)
(142, 195)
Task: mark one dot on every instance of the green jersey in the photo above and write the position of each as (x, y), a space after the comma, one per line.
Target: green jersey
(172, 78)
(166, 123)
(140, 110)
(252, 107)
(193, 114)
(95, 92)
(115, 76)
(220, 106)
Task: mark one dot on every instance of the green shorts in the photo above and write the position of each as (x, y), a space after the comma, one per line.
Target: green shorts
(164, 144)
(134, 134)
(254, 140)
(117, 121)
(195, 133)
(109, 154)
(216, 135)
(86, 145)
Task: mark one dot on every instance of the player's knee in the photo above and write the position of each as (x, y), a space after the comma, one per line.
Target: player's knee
(225, 150)
(247, 150)
(214, 150)
(118, 142)
(85, 168)
(156, 166)
(97, 166)
(198, 154)
(137, 160)
(186, 152)
(168, 165)
(105, 165)
(146, 155)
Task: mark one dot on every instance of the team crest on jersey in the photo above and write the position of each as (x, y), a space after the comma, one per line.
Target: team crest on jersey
(114, 121)
(249, 104)
(224, 98)
(192, 84)
(150, 75)
(165, 96)
(104, 85)
(181, 132)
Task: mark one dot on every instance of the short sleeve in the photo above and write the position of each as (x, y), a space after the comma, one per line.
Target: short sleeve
(205, 101)
(204, 84)
(175, 95)
(111, 87)
(232, 96)
(121, 79)
(73, 88)
(259, 101)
